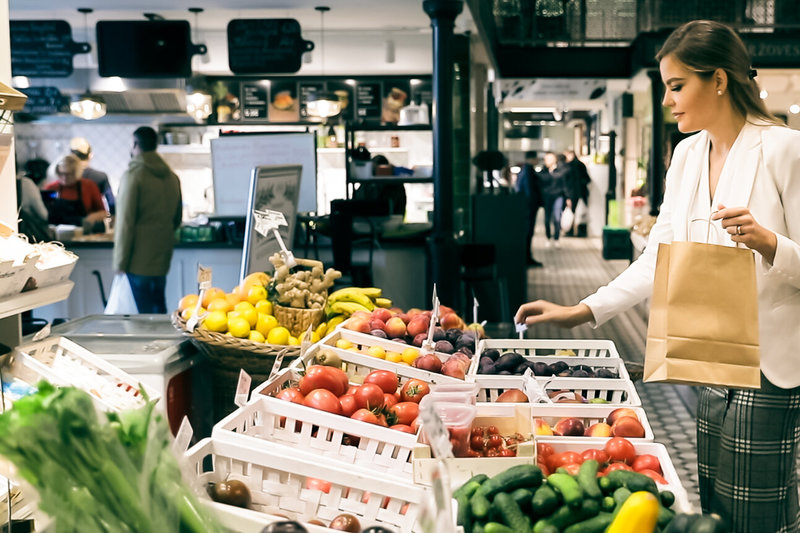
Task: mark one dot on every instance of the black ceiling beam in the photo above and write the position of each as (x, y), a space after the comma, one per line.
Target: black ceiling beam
(567, 62)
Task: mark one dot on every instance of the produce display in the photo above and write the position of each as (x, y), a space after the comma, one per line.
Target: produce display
(486, 441)
(621, 422)
(513, 363)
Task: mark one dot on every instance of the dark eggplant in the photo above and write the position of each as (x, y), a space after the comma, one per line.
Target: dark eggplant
(580, 373)
(438, 334)
(285, 526)
(565, 374)
(585, 368)
(486, 366)
(521, 368)
(558, 367)
(491, 353)
(604, 373)
(509, 361)
(466, 350)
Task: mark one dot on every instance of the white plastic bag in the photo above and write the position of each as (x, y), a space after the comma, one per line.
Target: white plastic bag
(120, 299)
(581, 213)
(567, 218)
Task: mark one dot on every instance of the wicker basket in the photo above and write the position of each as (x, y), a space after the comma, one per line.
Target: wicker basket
(227, 355)
(298, 320)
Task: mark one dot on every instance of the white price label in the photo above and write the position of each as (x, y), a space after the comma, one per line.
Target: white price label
(475, 306)
(183, 438)
(268, 220)
(435, 306)
(438, 436)
(276, 366)
(242, 388)
(521, 329)
(204, 276)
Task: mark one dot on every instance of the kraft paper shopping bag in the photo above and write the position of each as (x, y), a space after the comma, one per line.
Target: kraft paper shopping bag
(703, 327)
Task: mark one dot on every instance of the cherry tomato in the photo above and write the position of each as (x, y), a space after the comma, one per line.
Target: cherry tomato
(495, 441)
(646, 461)
(476, 442)
(492, 452)
(385, 379)
(617, 466)
(493, 430)
(389, 400)
(620, 449)
(369, 396)
(324, 377)
(318, 484)
(474, 453)
(544, 450)
(365, 415)
(601, 456)
(348, 403)
(414, 390)
(405, 412)
(477, 430)
(402, 427)
(572, 468)
(652, 474)
(323, 400)
(505, 452)
(291, 395)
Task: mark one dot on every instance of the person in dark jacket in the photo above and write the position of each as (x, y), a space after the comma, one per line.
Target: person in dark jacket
(529, 184)
(578, 181)
(149, 210)
(553, 190)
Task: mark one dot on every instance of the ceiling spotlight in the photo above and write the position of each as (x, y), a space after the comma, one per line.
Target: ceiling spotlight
(763, 94)
(794, 109)
(87, 106)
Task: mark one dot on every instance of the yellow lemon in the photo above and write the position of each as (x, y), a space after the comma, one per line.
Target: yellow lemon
(255, 336)
(216, 321)
(410, 354)
(187, 313)
(234, 314)
(248, 312)
(394, 357)
(377, 351)
(190, 300)
(265, 323)
(294, 341)
(344, 344)
(256, 294)
(212, 294)
(278, 335)
(264, 306)
(220, 304)
(403, 363)
(239, 327)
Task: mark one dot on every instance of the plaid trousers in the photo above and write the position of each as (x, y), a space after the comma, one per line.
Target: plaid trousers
(747, 443)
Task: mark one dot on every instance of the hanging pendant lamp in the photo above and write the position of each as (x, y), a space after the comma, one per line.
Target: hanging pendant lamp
(323, 104)
(87, 106)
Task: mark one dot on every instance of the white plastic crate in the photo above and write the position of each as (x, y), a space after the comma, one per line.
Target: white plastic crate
(240, 520)
(552, 347)
(311, 430)
(588, 414)
(54, 265)
(614, 364)
(278, 484)
(654, 448)
(14, 276)
(614, 391)
(62, 362)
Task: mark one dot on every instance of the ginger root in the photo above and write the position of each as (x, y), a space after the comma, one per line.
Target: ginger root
(307, 287)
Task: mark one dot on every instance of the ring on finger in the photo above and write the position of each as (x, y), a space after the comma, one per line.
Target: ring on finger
(739, 229)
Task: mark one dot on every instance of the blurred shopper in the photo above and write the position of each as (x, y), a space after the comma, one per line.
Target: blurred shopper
(577, 184)
(149, 211)
(30, 206)
(553, 193)
(74, 200)
(81, 149)
(743, 172)
(529, 184)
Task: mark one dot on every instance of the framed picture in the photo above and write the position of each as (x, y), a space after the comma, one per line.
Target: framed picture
(274, 188)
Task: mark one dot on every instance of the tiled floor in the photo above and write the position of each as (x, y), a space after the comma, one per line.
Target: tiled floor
(576, 269)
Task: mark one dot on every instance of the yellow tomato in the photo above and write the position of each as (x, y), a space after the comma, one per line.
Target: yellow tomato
(278, 335)
(344, 344)
(377, 351)
(239, 327)
(216, 321)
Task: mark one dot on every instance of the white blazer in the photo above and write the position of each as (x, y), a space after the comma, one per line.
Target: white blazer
(765, 165)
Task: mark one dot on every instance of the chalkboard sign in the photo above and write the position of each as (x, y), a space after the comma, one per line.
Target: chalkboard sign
(265, 46)
(43, 100)
(43, 48)
(368, 101)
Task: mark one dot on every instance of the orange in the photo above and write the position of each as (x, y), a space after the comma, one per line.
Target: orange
(190, 300)
(220, 304)
(233, 298)
(212, 294)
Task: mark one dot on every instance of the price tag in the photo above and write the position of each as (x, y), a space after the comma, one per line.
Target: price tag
(276, 366)
(475, 306)
(269, 221)
(204, 277)
(183, 438)
(521, 329)
(242, 388)
(533, 389)
(428, 345)
(42, 333)
(438, 436)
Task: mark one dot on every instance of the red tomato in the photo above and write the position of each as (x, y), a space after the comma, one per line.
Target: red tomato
(324, 377)
(655, 476)
(492, 452)
(476, 442)
(366, 496)
(572, 468)
(402, 427)
(495, 441)
(543, 468)
(365, 415)
(414, 390)
(617, 466)
(563, 458)
(414, 423)
(406, 412)
(291, 395)
(646, 461)
(493, 430)
(473, 453)
(385, 379)
(544, 450)
(318, 484)
(389, 400)
(369, 396)
(348, 403)
(601, 456)
(323, 400)
(397, 396)
(382, 420)
(351, 389)
(620, 449)
(505, 452)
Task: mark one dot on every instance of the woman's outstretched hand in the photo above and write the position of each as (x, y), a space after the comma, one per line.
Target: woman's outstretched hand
(542, 311)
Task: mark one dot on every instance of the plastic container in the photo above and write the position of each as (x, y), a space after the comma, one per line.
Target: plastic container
(454, 397)
(457, 419)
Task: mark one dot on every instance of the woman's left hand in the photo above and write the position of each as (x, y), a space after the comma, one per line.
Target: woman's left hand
(743, 228)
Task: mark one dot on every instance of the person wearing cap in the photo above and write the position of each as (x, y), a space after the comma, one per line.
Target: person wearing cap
(81, 149)
(74, 200)
(149, 211)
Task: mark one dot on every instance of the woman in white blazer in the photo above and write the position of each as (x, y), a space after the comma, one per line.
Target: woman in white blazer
(742, 171)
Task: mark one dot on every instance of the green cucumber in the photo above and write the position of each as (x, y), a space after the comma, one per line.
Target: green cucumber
(464, 512)
(608, 504)
(633, 481)
(568, 487)
(566, 516)
(477, 527)
(513, 478)
(665, 516)
(479, 505)
(470, 486)
(543, 526)
(545, 501)
(620, 495)
(587, 479)
(511, 514)
(523, 498)
(667, 498)
(494, 527)
(596, 524)
(606, 485)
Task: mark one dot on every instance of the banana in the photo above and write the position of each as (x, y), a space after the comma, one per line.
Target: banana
(372, 292)
(383, 302)
(351, 294)
(333, 322)
(347, 308)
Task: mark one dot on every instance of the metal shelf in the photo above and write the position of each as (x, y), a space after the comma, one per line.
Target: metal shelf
(12, 305)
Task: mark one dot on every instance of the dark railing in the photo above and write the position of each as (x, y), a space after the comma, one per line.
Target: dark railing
(580, 22)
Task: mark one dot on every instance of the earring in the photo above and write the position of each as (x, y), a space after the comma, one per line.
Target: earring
(719, 92)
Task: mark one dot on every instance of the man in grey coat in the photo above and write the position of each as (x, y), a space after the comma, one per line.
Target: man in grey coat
(149, 210)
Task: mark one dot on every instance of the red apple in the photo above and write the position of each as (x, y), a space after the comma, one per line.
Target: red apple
(450, 320)
(417, 325)
(414, 311)
(628, 426)
(395, 327)
(569, 427)
(404, 317)
(540, 427)
(428, 362)
(600, 429)
(621, 411)
(382, 314)
(358, 323)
